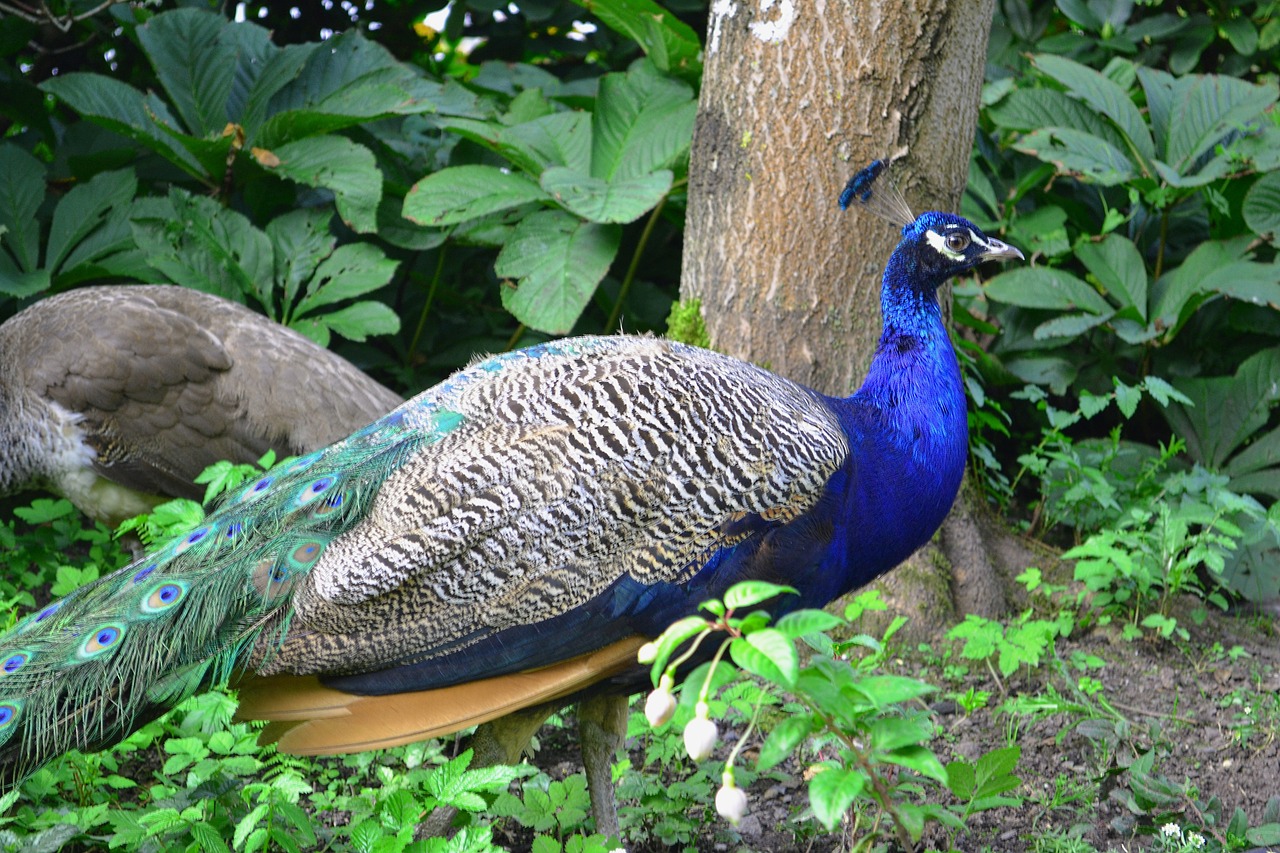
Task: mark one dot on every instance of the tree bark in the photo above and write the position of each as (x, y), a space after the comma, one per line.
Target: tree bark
(797, 95)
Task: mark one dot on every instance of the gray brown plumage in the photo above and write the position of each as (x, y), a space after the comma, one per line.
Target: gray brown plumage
(117, 397)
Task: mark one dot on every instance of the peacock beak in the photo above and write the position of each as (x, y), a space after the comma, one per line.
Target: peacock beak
(998, 250)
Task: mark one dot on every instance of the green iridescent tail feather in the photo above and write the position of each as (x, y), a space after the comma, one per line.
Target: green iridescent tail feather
(85, 671)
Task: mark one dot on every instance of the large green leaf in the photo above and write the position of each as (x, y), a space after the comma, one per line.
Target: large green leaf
(21, 194)
(1118, 266)
(1076, 151)
(671, 44)
(460, 193)
(558, 260)
(336, 163)
(84, 209)
(193, 65)
(355, 322)
(195, 242)
(1226, 411)
(643, 122)
(1044, 287)
(598, 200)
(557, 139)
(833, 791)
(300, 241)
(123, 109)
(1031, 109)
(1103, 95)
(1262, 206)
(1203, 108)
(352, 270)
(1214, 267)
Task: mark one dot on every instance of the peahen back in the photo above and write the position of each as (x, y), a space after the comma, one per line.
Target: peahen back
(521, 525)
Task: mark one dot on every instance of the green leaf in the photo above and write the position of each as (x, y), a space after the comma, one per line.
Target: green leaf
(832, 792)
(670, 43)
(890, 733)
(1043, 287)
(338, 164)
(802, 623)
(1103, 95)
(123, 109)
(1070, 325)
(196, 69)
(1226, 411)
(920, 759)
(558, 139)
(1127, 399)
(21, 194)
(85, 208)
(769, 654)
(748, 593)
(1118, 266)
(352, 270)
(783, 739)
(1031, 109)
(355, 322)
(459, 193)
(598, 200)
(1262, 206)
(559, 260)
(671, 639)
(885, 690)
(1206, 107)
(643, 122)
(961, 779)
(1213, 267)
(1083, 153)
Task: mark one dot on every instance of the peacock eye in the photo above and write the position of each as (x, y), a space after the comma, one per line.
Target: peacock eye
(957, 242)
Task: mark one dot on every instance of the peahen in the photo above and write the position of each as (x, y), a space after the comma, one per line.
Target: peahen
(512, 535)
(117, 397)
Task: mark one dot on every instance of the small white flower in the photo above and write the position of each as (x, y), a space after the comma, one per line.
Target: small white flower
(1171, 830)
(731, 801)
(700, 734)
(660, 705)
(1195, 839)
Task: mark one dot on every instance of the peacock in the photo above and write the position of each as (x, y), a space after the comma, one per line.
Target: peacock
(116, 397)
(511, 536)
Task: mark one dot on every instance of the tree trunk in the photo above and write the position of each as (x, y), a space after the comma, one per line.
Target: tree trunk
(796, 97)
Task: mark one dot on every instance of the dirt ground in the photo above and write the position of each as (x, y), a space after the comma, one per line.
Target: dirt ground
(1212, 718)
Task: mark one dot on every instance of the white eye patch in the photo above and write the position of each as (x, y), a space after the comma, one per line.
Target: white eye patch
(939, 242)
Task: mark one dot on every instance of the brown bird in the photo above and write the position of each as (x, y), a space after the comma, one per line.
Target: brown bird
(117, 397)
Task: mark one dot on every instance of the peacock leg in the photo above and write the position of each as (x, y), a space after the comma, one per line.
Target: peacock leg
(602, 727)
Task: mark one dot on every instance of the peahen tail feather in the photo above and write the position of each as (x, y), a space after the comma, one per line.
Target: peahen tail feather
(87, 670)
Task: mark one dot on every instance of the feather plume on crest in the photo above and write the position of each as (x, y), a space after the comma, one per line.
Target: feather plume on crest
(873, 189)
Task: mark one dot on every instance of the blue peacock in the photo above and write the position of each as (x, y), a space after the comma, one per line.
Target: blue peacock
(513, 535)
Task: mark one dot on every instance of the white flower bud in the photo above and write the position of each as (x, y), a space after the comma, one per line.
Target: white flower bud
(700, 734)
(731, 801)
(660, 705)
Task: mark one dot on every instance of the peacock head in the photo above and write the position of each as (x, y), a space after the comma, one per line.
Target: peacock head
(935, 246)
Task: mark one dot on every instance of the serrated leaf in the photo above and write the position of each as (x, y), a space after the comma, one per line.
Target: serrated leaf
(1070, 325)
(1262, 206)
(671, 44)
(558, 261)
(921, 760)
(195, 68)
(21, 194)
(352, 270)
(643, 122)
(1203, 108)
(1103, 95)
(1119, 268)
(1226, 410)
(1030, 109)
(459, 193)
(832, 792)
(748, 593)
(1043, 287)
(84, 208)
(359, 321)
(1083, 153)
(769, 654)
(336, 163)
(123, 109)
(598, 200)
(783, 739)
(803, 622)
